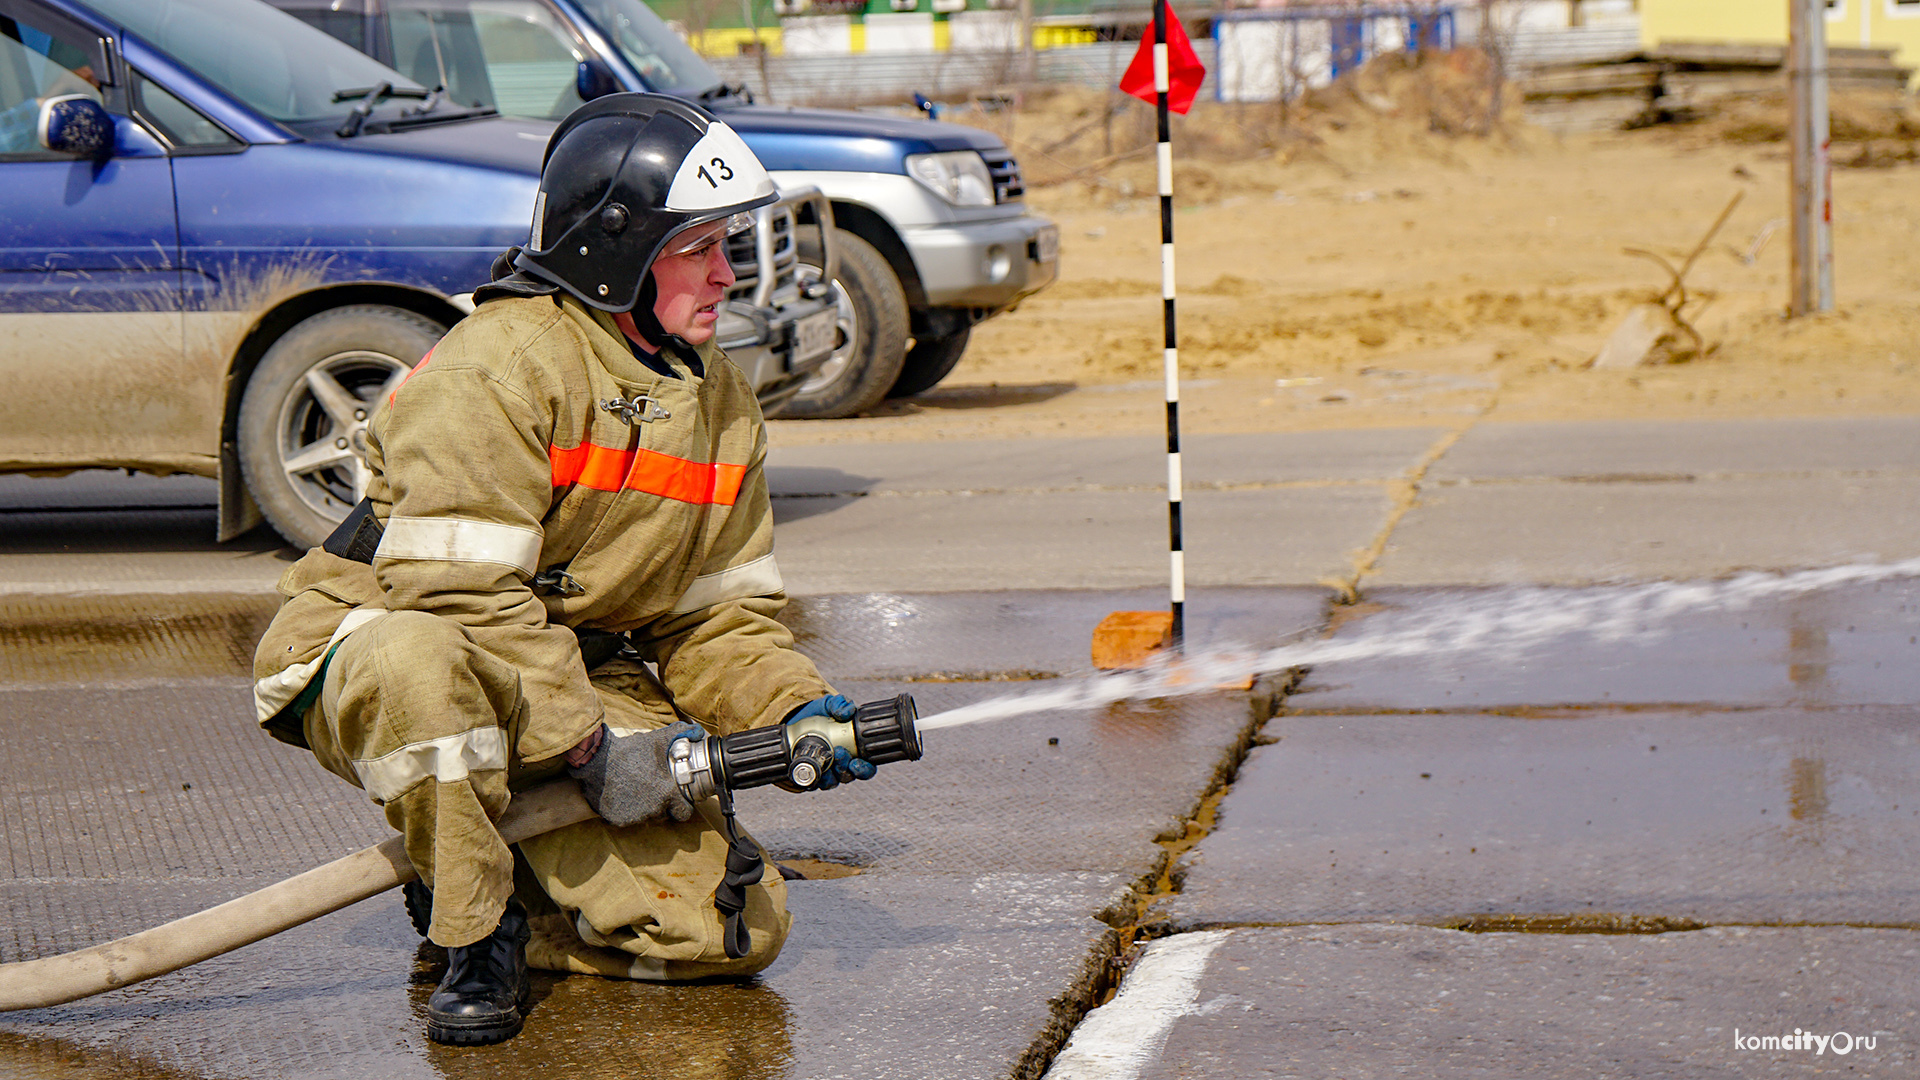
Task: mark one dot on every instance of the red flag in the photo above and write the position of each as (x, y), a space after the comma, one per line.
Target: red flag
(1184, 70)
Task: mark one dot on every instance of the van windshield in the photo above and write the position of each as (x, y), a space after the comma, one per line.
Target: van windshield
(265, 58)
(650, 45)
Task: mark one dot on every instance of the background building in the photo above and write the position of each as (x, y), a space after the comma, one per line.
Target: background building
(1891, 24)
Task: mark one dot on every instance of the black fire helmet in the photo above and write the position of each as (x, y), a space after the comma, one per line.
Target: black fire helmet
(624, 174)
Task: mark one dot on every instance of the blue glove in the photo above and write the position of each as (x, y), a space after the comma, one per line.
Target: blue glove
(845, 765)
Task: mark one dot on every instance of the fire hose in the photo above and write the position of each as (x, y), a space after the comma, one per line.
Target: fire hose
(883, 732)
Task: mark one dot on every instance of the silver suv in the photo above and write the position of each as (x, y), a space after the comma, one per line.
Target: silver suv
(931, 232)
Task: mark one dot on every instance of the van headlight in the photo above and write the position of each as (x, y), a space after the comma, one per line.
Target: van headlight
(958, 176)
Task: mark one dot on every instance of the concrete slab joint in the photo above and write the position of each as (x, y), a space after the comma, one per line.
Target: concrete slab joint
(1136, 923)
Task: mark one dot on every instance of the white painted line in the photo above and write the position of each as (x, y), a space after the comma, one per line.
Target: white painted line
(1119, 1039)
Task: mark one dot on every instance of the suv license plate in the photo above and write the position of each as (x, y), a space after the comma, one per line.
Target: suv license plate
(813, 336)
(1046, 244)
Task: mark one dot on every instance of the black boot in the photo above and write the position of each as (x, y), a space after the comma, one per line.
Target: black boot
(419, 901)
(480, 999)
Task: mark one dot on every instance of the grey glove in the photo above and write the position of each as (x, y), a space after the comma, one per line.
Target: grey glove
(628, 780)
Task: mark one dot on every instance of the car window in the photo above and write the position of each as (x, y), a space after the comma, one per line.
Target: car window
(181, 123)
(36, 66)
(513, 55)
(661, 57)
(264, 57)
(347, 26)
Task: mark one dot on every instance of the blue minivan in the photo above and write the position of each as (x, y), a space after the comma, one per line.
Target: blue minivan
(223, 233)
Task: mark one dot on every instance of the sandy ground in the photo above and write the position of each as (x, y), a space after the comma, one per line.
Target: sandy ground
(1379, 274)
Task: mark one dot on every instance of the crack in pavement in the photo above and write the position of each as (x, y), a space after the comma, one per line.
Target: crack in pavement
(1654, 478)
(1405, 491)
(1578, 923)
(1132, 919)
(1405, 486)
(1097, 489)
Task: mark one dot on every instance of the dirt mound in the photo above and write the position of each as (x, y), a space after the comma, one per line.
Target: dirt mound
(1446, 93)
(1869, 128)
(1397, 107)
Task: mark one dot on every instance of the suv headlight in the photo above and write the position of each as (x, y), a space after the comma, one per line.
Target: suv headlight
(958, 176)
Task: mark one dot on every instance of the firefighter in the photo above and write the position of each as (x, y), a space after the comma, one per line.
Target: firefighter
(568, 489)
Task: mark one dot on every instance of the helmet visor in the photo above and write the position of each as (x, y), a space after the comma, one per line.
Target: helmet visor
(693, 238)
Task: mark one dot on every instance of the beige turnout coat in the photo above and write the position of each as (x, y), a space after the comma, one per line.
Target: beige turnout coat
(533, 476)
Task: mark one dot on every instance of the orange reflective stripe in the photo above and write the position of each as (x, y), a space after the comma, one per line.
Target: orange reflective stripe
(409, 375)
(603, 468)
(687, 481)
(599, 467)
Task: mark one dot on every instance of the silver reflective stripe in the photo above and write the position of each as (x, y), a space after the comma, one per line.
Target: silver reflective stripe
(277, 690)
(445, 759)
(461, 540)
(761, 577)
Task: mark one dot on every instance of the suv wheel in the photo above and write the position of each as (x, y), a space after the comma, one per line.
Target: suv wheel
(303, 417)
(872, 339)
(928, 362)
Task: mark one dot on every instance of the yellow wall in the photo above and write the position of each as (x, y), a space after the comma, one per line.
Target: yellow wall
(1712, 20)
(1850, 23)
(1887, 24)
(726, 41)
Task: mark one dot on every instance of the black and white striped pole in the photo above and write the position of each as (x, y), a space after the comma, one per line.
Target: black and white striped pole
(1176, 554)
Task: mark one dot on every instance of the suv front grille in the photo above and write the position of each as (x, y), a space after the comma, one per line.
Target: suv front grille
(1007, 185)
(746, 265)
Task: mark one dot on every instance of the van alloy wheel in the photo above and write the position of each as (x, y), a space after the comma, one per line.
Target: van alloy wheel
(304, 416)
(323, 426)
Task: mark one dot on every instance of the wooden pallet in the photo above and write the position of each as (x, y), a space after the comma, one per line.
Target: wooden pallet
(1702, 70)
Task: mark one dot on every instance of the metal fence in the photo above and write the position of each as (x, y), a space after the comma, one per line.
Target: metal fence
(1531, 47)
(894, 77)
(871, 78)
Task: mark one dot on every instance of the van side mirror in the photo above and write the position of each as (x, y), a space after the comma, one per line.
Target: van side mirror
(78, 125)
(594, 79)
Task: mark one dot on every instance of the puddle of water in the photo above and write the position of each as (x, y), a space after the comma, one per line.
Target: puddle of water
(60, 639)
(605, 1027)
(820, 869)
(28, 1057)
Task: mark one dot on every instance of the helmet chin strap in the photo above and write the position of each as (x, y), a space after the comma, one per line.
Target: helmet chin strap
(644, 318)
(647, 322)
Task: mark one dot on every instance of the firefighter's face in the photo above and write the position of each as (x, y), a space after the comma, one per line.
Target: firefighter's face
(692, 285)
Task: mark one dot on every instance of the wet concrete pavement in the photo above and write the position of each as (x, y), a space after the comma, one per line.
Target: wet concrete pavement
(1374, 1001)
(1657, 817)
(986, 879)
(1617, 854)
(1847, 645)
(997, 878)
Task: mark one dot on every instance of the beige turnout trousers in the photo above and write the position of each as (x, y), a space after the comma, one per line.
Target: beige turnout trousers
(425, 720)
